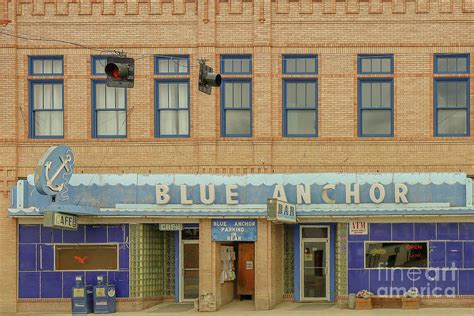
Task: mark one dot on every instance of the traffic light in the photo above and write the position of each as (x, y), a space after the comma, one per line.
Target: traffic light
(120, 72)
(207, 78)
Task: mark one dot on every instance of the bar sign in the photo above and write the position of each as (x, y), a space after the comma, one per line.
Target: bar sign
(60, 220)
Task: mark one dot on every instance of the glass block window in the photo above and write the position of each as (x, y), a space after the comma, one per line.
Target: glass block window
(172, 110)
(375, 117)
(288, 259)
(296, 64)
(170, 65)
(451, 99)
(110, 110)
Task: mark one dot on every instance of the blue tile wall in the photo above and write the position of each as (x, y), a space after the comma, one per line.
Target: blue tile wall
(450, 245)
(37, 278)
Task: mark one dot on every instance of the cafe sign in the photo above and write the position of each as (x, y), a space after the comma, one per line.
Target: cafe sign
(60, 220)
(171, 227)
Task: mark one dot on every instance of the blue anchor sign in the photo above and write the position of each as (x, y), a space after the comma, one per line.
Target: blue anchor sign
(54, 170)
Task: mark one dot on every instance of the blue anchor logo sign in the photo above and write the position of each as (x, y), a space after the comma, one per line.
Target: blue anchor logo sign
(54, 170)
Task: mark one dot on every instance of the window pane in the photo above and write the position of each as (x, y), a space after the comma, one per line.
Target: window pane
(452, 122)
(386, 95)
(236, 65)
(183, 65)
(42, 123)
(245, 65)
(163, 95)
(386, 65)
(376, 94)
(366, 65)
(300, 94)
(442, 91)
(47, 66)
(301, 122)
(168, 122)
(237, 95)
(442, 65)
(120, 98)
(376, 122)
(311, 65)
(229, 95)
(227, 65)
(58, 96)
(56, 123)
(183, 95)
(246, 95)
(110, 98)
(47, 96)
(461, 94)
(57, 66)
(173, 65)
(311, 95)
(451, 93)
(163, 66)
(237, 122)
(291, 95)
(107, 124)
(100, 96)
(451, 64)
(37, 96)
(122, 123)
(173, 95)
(462, 64)
(366, 95)
(290, 65)
(300, 65)
(183, 125)
(37, 66)
(376, 65)
(100, 65)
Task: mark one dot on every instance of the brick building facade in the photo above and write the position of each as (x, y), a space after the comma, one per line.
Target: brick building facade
(414, 39)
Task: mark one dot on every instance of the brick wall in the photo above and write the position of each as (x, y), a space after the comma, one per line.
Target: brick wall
(334, 30)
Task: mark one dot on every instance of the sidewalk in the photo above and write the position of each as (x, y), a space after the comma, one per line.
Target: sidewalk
(286, 309)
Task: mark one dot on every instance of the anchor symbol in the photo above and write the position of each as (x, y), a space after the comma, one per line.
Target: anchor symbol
(64, 165)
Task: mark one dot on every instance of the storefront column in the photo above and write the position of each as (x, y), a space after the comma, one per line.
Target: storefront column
(268, 265)
(209, 265)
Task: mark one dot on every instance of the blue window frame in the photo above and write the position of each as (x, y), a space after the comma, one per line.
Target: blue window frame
(46, 66)
(451, 95)
(236, 96)
(375, 101)
(172, 108)
(236, 64)
(171, 65)
(172, 96)
(109, 114)
(109, 104)
(98, 64)
(300, 64)
(300, 101)
(451, 64)
(46, 97)
(375, 64)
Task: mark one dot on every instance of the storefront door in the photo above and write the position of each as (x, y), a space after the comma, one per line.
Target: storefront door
(189, 272)
(314, 263)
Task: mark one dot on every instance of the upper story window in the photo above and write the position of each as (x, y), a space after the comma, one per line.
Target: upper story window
(172, 100)
(109, 104)
(300, 96)
(46, 97)
(236, 96)
(375, 117)
(451, 95)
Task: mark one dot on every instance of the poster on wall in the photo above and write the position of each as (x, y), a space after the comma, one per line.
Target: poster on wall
(234, 230)
(358, 228)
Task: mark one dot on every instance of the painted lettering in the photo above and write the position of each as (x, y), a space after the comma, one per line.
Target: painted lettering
(353, 193)
(162, 196)
(230, 194)
(184, 195)
(325, 194)
(279, 193)
(401, 191)
(207, 199)
(381, 189)
(303, 194)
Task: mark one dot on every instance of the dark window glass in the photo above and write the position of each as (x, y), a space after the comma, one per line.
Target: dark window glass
(190, 233)
(315, 232)
(86, 257)
(396, 255)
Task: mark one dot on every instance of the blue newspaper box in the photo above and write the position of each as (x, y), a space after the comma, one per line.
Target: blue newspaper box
(81, 298)
(104, 297)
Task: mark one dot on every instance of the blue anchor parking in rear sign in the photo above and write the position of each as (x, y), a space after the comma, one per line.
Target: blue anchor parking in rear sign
(54, 170)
